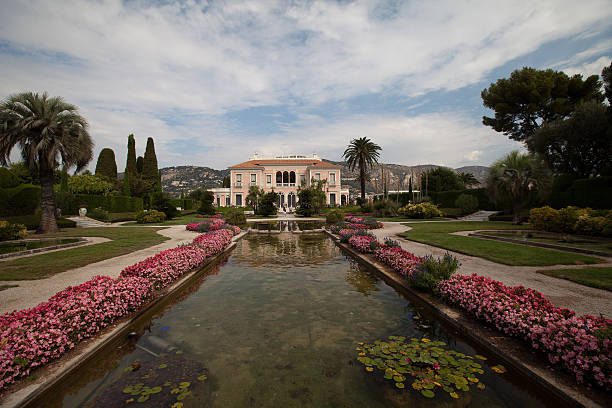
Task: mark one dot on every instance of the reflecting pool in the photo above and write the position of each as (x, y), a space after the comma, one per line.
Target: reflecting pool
(277, 325)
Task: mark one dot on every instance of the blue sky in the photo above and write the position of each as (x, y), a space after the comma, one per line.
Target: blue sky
(213, 82)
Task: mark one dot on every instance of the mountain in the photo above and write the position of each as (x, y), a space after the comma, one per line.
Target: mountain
(187, 178)
(183, 179)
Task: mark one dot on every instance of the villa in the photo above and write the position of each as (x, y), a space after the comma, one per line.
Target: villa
(284, 175)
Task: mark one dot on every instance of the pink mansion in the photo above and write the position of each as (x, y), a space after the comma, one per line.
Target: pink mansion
(283, 174)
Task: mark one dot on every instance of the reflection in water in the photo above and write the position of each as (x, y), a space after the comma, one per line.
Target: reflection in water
(287, 226)
(362, 280)
(277, 327)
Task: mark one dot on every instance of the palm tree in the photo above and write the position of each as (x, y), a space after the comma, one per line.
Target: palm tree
(362, 153)
(511, 180)
(468, 179)
(47, 130)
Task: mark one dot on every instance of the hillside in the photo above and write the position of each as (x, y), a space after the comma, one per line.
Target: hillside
(187, 178)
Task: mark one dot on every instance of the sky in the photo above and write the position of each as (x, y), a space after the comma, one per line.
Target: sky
(213, 82)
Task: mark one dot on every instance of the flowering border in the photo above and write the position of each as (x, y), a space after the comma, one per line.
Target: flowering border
(31, 338)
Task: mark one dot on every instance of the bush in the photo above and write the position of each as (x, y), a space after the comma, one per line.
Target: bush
(235, 216)
(334, 215)
(545, 219)
(23, 199)
(467, 203)
(589, 225)
(385, 208)
(422, 210)
(32, 221)
(433, 270)
(88, 184)
(70, 203)
(569, 216)
(150, 217)
(451, 212)
(7, 178)
(447, 198)
(162, 202)
(10, 231)
(99, 214)
(206, 201)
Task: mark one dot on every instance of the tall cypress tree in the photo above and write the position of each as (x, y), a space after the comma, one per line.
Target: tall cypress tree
(106, 166)
(130, 165)
(150, 172)
(126, 184)
(139, 164)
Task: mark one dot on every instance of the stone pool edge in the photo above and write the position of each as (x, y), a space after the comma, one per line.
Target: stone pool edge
(23, 397)
(503, 347)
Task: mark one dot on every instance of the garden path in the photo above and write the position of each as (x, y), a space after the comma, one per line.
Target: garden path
(562, 293)
(30, 293)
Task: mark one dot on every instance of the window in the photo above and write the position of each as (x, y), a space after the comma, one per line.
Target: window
(253, 178)
(292, 178)
(302, 179)
(268, 179)
(227, 201)
(332, 199)
(317, 176)
(285, 177)
(238, 180)
(279, 177)
(332, 179)
(239, 200)
(218, 201)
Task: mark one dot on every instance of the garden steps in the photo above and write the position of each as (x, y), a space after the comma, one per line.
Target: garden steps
(86, 222)
(478, 216)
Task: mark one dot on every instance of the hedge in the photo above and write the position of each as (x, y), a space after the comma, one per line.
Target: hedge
(446, 199)
(70, 203)
(21, 200)
(594, 192)
(184, 203)
(7, 178)
(32, 221)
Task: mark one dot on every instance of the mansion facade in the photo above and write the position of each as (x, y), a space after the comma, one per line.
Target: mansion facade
(283, 174)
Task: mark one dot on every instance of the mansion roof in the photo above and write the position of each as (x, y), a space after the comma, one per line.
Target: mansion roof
(311, 163)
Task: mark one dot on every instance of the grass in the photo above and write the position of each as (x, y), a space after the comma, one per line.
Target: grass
(123, 241)
(402, 219)
(581, 242)
(4, 287)
(180, 220)
(439, 234)
(595, 277)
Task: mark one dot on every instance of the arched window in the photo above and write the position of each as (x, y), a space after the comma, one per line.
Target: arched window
(292, 177)
(279, 177)
(285, 177)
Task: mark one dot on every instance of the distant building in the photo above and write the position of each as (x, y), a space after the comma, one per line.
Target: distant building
(283, 174)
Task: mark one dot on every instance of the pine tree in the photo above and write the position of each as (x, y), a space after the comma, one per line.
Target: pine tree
(106, 166)
(150, 172)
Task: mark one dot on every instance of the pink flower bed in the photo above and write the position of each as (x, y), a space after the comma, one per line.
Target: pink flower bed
(362, 223)
(213, 223)
(31, 338)
(567, 339)
(362, 243)
(402, 261)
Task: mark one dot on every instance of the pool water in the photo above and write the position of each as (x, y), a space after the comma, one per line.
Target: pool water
(287, 226)
(10, 247)
(277, 326)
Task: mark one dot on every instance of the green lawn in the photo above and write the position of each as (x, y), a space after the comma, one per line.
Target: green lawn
(180, 220)
(595, 277)
(438, 234)
(123, 241)
(402, 219)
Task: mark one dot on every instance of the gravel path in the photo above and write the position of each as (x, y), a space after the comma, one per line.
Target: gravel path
(32, 292)
(562, 293)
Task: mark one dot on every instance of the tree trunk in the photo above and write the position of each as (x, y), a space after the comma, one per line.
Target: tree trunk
(362, 177)
(47, 199)
(516, 215)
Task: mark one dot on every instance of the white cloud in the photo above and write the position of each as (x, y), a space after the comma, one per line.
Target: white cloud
(126, 64)
(474, 155)
(588, 68)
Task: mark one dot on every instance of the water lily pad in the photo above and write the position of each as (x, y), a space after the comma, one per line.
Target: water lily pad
(454, 395)
(428, 393)
(155, 390)
(183, 395)
(179, 352)
(184, 384)
(203, 377)
(143, 398)
(399, 385)
(478, 356)
(500, 369)
(162, 365)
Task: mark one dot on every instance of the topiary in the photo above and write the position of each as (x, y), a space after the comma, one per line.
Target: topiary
(106, 165)
(150, 217)
(235, 216)
(7, 178)
(334, 215)
(545, 219)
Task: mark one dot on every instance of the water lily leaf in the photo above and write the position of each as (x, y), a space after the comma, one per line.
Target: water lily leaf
(162, 366)
(155, 390)
(369, 369)
(203, 377)
(454, 395)
(478, 356)
(500, 369)
(448, 389)
(175, 391)
(184, 384)
(167, 384)
(481, 386)
(179, 352)
(183, 395)
(428, 393)
(399, 385)
(143, 398)
(127, 390)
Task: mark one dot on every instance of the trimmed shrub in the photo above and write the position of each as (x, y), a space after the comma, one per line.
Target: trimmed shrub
(10, 231)
(334, 215)
(32, 221)
(433, 270)
(589, 225)
(4, 203)
(545, 219)
(7, 178)
(70, 203)
(235, 216)
(467, 203)
(88, 184)
(447, 199)
(23, 199)
(99, 214)
(106, 165)
(569, 216)
(150, 217)
(385, 208)
(422, 210)
(595, 192)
